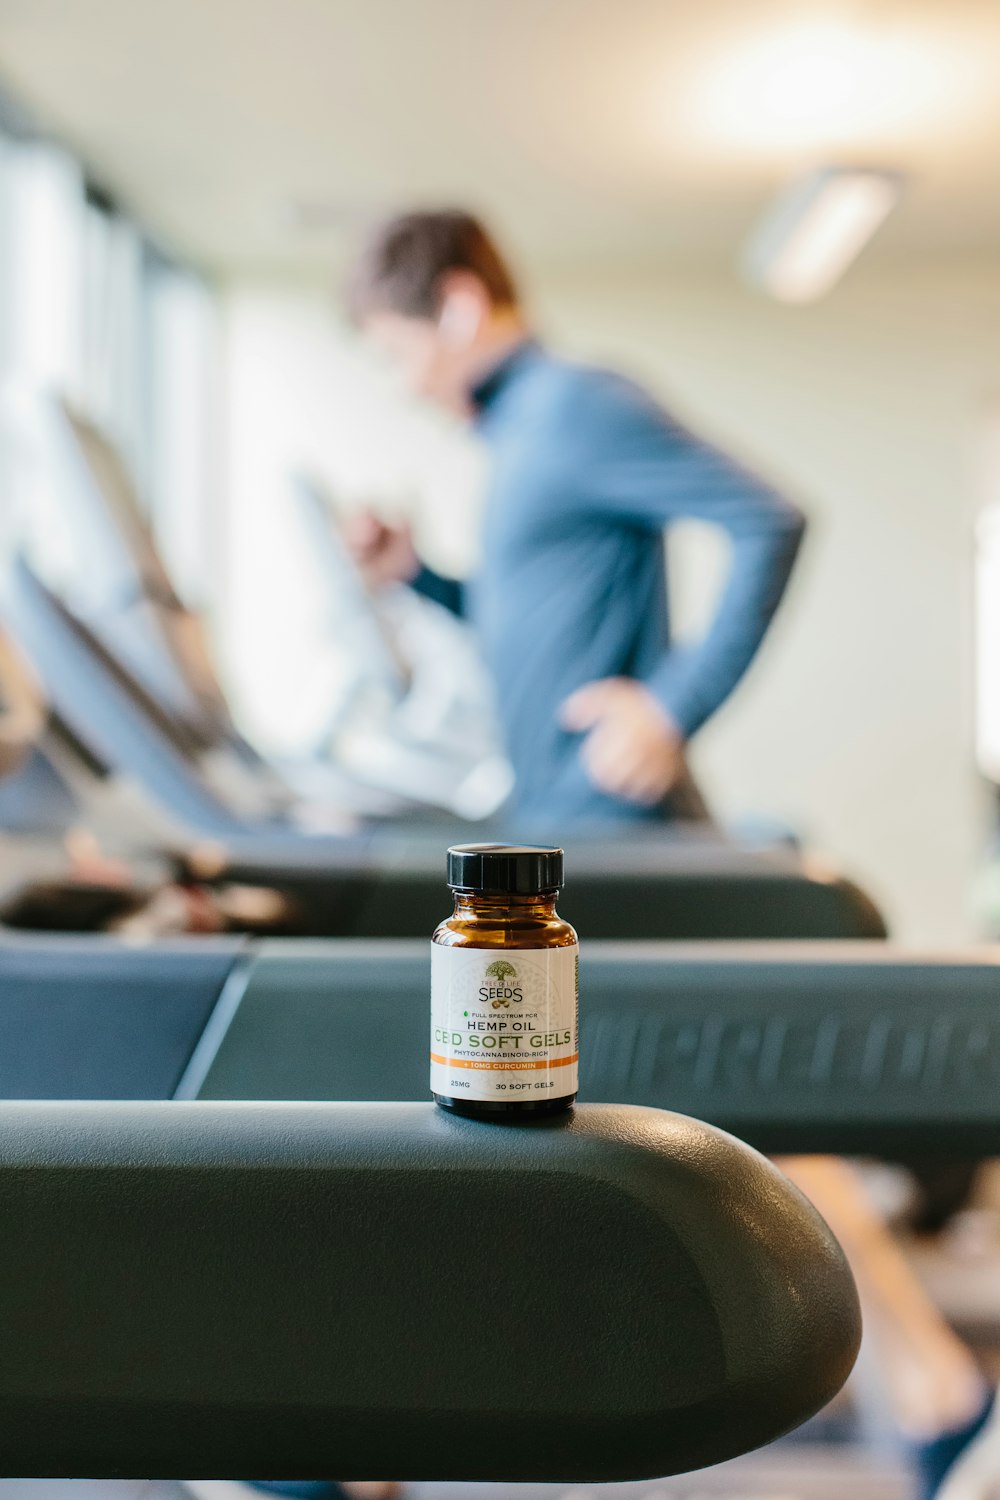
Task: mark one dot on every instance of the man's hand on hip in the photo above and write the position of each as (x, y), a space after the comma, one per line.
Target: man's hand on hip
(633, 749)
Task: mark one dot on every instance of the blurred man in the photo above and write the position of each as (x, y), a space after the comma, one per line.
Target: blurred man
(570, 603)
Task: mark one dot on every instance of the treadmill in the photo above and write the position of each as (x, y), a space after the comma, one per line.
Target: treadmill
(135, 702)
(853, 1048)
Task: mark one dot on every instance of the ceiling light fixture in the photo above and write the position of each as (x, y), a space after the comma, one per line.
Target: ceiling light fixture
(816, 229)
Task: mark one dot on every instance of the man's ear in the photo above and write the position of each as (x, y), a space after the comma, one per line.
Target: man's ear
(463, 309)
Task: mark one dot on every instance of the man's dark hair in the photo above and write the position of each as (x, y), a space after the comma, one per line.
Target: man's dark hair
(402, 266)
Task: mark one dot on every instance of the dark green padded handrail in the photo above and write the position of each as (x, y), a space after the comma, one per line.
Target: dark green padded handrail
(350, 1290)
(795, 1047)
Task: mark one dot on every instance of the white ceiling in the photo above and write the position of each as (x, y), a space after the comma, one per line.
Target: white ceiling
(588, 129)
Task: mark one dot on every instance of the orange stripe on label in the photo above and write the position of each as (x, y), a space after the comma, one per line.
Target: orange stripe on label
(508, 1065)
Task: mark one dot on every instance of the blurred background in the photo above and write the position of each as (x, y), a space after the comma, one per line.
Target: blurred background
(183, 185)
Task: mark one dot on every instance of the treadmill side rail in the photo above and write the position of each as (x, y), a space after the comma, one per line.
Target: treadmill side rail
(306, 1290)
(856, 1048)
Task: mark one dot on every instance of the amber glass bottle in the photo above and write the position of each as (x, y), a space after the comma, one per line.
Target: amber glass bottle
(504, 987)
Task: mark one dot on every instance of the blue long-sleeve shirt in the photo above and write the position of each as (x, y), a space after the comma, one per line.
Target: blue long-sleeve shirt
(586, 472)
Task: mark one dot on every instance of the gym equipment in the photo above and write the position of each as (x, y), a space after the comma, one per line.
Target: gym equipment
(154, 714)
(303, 1290)
(624, 882)
(354, 617)
(848, 1048)
(121, 600)
(853, 1048)
(84, 1018)
(120, 589)
(627, 882)
(397, 724)
(199, 773)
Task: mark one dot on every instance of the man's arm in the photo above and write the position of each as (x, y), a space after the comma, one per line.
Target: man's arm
(658, 472)
(447, 591)
(385, 553)
(647, 470)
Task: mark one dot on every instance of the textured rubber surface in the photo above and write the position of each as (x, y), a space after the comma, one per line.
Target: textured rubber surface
(294, 1291)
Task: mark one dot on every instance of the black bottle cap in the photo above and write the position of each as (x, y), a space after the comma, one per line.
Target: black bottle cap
(505, 869)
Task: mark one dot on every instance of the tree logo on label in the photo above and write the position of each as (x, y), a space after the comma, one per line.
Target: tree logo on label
(503, 973)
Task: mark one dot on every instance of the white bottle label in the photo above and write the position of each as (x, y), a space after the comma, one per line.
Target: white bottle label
(504, 1023)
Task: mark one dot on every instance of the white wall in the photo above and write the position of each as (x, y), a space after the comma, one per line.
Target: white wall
(856, 724)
